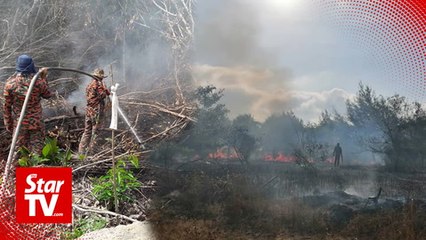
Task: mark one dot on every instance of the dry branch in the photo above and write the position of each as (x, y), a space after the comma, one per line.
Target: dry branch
(94, 210)
(63, 118)
(50, 32)
(162, 109)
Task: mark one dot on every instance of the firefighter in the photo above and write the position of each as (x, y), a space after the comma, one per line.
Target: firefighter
(338, 154)
(96, 92)
(32, 132)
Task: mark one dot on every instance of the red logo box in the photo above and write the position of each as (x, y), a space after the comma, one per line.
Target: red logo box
(44, 195)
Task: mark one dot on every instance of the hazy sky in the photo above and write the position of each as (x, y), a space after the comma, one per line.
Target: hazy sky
(276, 55)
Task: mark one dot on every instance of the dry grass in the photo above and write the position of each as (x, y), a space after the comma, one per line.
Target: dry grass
(178, 229)
(230, 205)
(408, 224)
(207, 208)
(209, 230)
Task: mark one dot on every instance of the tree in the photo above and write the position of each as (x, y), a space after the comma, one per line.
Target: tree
(242, 136)
(211, 129)
(282, 133)
(389, 125)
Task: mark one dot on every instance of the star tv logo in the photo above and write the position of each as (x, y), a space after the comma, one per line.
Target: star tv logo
(43, 195)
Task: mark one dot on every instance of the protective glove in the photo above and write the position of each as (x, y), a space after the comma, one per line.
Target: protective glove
(43, 73)
(105, 89)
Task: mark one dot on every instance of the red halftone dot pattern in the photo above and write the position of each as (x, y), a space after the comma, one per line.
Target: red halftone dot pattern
(9, 228)
(391, 32)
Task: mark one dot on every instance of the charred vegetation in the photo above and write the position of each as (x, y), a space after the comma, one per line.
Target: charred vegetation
(203, 175)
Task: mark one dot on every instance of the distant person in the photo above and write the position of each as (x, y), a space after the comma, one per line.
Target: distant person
(337, 153)
(96, 92)
(31, 134)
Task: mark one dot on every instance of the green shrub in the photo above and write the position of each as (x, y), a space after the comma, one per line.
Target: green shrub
(126, 182)
(51, 154)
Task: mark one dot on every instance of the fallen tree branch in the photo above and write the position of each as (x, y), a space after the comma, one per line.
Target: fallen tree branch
(161, 109)
(105, 160)
(162, 133)
(63, 117)
(94, 210)
(143, 92)
(96, 163)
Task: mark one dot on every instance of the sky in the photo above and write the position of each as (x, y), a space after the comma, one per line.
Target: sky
(273, 56)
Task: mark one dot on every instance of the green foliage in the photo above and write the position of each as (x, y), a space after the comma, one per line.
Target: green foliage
(282, 133)
(86, 225)
(390, 126)
(375, 129)
(126, 182)
(134, 160)
(241, 136)
(81, 157)
(50, 155)
(208, 96)
(210, 130)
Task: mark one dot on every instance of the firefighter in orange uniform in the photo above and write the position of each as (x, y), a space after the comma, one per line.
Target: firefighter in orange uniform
(32, 130)
(96, 92)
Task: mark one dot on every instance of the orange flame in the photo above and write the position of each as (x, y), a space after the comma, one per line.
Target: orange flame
(280, 157)
(229, 153)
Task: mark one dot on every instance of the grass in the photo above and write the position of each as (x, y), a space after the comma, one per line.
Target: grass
(407, 224)
(85, 225)
(233, 204)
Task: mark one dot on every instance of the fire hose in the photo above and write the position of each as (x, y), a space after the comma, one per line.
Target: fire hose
(24, 108)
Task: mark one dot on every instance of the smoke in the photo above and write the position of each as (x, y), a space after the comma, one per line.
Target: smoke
(250, 48)
(78, 97)
(263, 92)
(144, 66)
(230, 56)
(228, 34)
(104, 34)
